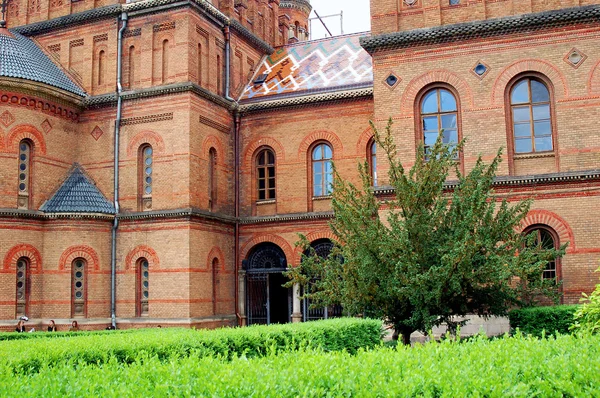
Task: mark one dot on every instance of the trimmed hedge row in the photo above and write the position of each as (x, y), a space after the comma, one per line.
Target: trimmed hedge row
(565, 366)
(8, 336)
(543, 320)
(348, 334)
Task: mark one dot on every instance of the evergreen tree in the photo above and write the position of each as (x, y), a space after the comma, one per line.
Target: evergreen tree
(433, 252)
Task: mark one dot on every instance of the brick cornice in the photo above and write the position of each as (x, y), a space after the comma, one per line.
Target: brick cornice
(457, 33)
(287, 218)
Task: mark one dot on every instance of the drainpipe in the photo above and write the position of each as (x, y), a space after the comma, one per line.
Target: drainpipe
(113, 257)
(237, 124)
(227, 61)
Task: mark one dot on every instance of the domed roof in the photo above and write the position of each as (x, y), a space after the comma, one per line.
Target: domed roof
(21, 58)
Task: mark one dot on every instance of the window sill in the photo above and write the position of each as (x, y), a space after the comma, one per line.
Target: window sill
(324, 197)
(534, 155)
(265, 202)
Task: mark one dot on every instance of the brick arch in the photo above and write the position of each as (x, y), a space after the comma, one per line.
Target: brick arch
(26, 131)
(1, 140)
(554, 221)
(321, 135)
(253, 146)
(311, 237)
(23, 250)
(217, 253)
(80, 251)
(213, 141)
(142, 251)
(436, 76)
(594, 79)
(278, 240)
(146, 137)
(529, 65)
(363, 140)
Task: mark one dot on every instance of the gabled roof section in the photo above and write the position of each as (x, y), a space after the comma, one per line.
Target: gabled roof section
(21, 58)
(78, 194)
(334, 64)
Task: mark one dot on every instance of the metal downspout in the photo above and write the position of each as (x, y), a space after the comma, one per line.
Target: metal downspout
(113, 258)
(227, 62)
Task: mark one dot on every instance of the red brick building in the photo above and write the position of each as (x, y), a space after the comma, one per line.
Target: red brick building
(219, 122)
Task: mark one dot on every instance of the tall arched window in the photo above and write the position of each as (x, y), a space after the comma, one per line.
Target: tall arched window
(265, 174)
(23, 286)
(101, 66)
(372, 156)
(546, 239)
(25, 152)
(165, 61)
(78, 287)
(142, 287)
(531, 116)
(131, 64)
(146, 169)
(199, 72)
(322, 170)
(439, 111)
(212, 178)
(215, 281)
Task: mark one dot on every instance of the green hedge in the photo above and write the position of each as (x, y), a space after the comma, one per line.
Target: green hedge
(52, 335)
(537, 320)
(566, 366)
(27, 356)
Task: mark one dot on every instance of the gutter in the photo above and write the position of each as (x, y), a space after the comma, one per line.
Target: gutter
(113, 256)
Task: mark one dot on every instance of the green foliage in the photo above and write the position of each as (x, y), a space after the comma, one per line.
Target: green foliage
(47, 335)
(587, 317)
(168, 344)
(540, 321)
(565, 366)
(439, 252)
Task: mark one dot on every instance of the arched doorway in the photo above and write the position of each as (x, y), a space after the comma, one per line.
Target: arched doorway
(322, 248)
(267, 300)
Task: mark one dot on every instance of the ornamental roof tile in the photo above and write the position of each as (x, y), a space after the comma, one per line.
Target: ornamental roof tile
(333, 64)
(21, 58)
(78, 194)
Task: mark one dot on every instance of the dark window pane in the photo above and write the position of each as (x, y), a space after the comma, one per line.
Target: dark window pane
(520, 93)
(521, 114)
(448, 101)
(430, 103)
(541, 112)
(22, 166)
(271, 194)
(539, 92)
(523, 145)
(261, 184)
(261, 158)
(23, 156)
(271, 157)
(261, 172)
(22, 187)
(543, 144)
(271, 171)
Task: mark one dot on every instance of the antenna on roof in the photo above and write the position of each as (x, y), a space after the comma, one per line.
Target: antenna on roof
(310, 20)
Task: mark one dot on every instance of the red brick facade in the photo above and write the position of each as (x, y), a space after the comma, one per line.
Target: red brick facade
(194, 224)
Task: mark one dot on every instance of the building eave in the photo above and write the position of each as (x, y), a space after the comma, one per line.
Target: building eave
(525, 23)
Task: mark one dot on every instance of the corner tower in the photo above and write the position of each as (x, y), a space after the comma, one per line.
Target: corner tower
(293, 19)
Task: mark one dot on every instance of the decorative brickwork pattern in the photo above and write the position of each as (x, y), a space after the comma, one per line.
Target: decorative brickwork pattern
(556, 222)
(147, 119)
(217, 253)
(279, 241)
(23, 250)
(26, 131)
(145, 137)
(7, 118)
(80, 251)
(322, 135)
(142, 251)
(251, 148)
(21, 100)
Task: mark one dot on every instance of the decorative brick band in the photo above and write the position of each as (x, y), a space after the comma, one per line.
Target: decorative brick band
(142, 251)
(76, 43)
(102, 37)
(211, 123)
(321, 135)
(146, 137)
(23, 250)
(26, 131)
(163, 26)
(15, 99)
(147, 119)
(132, 32)
(81, 251)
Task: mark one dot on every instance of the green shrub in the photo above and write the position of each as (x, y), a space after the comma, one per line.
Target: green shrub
(50, 335)
(543, 320)
(565, 366)
(28, 356)
(587, 316)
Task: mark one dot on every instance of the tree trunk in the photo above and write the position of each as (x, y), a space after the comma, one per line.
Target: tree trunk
(404, 332)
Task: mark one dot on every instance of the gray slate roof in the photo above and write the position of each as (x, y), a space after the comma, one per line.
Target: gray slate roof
(21, 58)
(78, 194)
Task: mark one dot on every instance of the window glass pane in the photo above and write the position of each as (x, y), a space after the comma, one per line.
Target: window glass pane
(329, 183)
(523, 145)
(522, 130)
(430, 124)
(261, 184)
(539, 92)
(148, 190)
(541, 112)
(374, 148)
(521, 114)
(328, 167)
(261, 173)
(430, 138)
(450, 136)
(261, 195)
(271, 157)
(271, 171)
(148, 161)
(520, 93)
(449, 121)
(543, 144)
(328, 153)
(542, 128)
(430, 103)
(318, 180)
(317, 167)
(318, 190)
(448, 101)
(261, 158)
(148, 151)
(318, 153)
(271, 182)
(271, 194)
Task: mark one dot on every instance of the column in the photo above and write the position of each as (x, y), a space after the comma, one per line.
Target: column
(296, 314)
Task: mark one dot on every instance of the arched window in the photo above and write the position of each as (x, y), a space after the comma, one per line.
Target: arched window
(78, 288)
(142, 287)
(23, 286)
(131, 64)
(165, 61)
(372, 157)
(322, 170)
(215, 283)
(101, 66)
(199, 72)
(547, 239)
(439, 111)
(25, 153)
(212, 178)
(145, 172)
(531, 116)
(265, 174)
